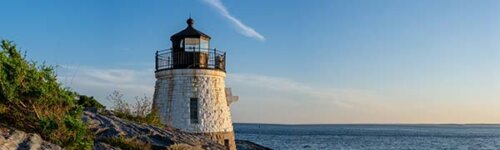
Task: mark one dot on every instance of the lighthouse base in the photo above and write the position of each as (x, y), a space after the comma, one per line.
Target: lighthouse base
(223, 138)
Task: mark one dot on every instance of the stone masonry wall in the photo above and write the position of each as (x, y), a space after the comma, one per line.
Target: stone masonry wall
(175, 88)
(220, 138)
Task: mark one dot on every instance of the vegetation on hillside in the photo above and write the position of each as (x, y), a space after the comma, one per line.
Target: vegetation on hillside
(32, 100)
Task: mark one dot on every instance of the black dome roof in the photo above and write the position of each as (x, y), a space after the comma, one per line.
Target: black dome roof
(190, 31)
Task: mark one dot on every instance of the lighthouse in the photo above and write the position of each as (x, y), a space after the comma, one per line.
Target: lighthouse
(190, 92)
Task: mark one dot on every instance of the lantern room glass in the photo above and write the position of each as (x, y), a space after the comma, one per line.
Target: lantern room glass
(195, 44)
(204, 43)
(191, 44)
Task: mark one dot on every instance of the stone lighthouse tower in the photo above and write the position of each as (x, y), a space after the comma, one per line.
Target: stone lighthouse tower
(190, 92)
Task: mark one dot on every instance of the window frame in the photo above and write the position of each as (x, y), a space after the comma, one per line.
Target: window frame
(194, 115)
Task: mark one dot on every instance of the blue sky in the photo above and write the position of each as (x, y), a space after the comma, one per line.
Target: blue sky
(323, 61)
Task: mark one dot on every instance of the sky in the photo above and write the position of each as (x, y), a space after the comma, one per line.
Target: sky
(290, 62)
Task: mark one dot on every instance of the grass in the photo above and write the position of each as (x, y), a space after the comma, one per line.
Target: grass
(128, 143)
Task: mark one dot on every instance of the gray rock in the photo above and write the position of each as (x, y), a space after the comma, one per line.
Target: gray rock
(11, 139)
(109, 126)
(104, 146)
(247, 145)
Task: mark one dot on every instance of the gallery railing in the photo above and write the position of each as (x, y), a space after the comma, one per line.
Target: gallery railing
(194, 58)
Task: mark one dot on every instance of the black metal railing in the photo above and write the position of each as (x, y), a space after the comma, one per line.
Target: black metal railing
(197, 58)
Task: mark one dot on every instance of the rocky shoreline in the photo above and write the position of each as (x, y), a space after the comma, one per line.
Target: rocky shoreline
(106, 126)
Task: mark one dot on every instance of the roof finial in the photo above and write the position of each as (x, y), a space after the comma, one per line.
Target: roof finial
(190, 21)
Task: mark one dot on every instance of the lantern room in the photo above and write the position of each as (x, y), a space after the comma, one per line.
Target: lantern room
(190, 39)
(190, 50)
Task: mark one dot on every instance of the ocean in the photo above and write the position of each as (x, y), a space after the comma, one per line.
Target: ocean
(376, 137)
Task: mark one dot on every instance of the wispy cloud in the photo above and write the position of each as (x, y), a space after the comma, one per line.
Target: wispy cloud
(100, 82)
(271, 99)
(243, 29)
(262, 98)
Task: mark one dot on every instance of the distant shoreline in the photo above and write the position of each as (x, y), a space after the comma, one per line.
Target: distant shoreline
(375, 124)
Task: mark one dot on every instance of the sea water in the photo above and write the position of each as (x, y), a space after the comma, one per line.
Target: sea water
(383, 137)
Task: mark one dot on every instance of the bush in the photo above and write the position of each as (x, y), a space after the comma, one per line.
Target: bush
(32, 100)
(127, 143)
(141, 112)
(86, 101)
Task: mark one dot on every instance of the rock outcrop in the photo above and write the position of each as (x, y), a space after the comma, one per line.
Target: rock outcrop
(108, 126)
(247, 145)
(11, 139)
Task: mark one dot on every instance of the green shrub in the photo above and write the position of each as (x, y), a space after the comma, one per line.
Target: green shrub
(86, 101)
(32, 100)
(141, 112)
